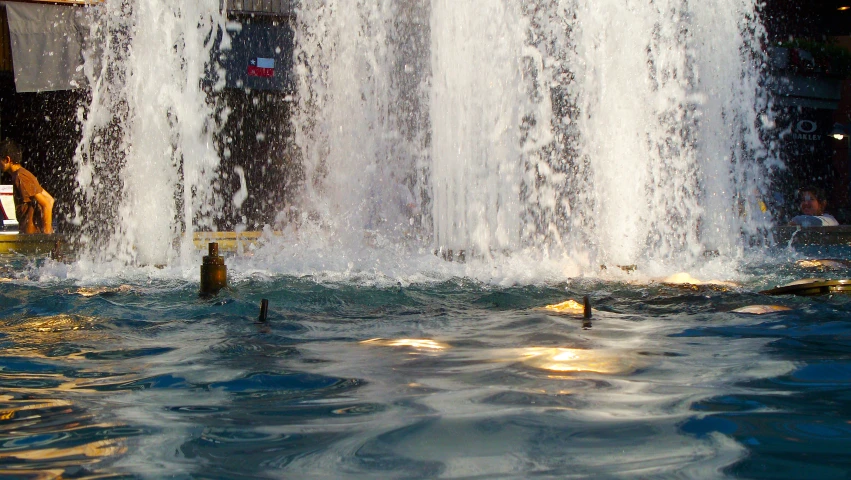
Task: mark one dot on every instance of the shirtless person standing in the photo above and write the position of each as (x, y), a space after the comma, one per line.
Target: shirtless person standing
(33, 205)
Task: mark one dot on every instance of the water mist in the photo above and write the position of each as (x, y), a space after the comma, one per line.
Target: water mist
(360, 123)
(147, 161)
(611, 132)
(615, 131)
(669, 108)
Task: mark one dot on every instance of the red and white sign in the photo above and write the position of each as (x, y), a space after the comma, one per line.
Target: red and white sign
(261, 67)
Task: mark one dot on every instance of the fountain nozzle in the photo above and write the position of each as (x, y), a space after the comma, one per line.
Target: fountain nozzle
(264, 310)
(214, 273)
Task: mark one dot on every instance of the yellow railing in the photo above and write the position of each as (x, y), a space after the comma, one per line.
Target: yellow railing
(43, 244)
(228, 241)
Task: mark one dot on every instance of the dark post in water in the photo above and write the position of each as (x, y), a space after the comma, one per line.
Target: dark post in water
(264, 310)
(214, 273)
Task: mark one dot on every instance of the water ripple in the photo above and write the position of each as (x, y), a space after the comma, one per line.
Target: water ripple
(126, 353)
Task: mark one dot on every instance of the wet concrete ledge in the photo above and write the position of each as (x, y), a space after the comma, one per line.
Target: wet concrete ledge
(39, 244)
(36, 244)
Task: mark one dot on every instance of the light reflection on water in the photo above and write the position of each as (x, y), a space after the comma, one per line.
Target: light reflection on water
(444, 379)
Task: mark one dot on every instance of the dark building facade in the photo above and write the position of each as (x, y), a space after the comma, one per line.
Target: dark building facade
(39, 102)
(810, 51)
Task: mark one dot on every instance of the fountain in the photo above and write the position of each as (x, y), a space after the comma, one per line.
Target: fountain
(542, 139)
(146, 164)
(669, 92)
(616, 131)
(609, 133)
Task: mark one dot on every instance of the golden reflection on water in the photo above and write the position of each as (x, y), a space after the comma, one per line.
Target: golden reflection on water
(569, 306)
(552, 359)
(51, 418)
(564, 360)
(31, 475)
(35, 335)
(761, 309)
(44, 403)
(94, 291)
(37, 338)
(52, 324)
(59, 323)
(824, 263)
(685, 280)
(416, 343)
(98, 449)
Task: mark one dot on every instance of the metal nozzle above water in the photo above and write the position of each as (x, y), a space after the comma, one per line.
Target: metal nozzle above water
(214, 273)
(264, 310)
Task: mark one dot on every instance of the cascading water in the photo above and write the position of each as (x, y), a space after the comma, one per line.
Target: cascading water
(477, 104)
(530, 133)
(146, 162)
(359, 125)
(668, 100)
(613, 131)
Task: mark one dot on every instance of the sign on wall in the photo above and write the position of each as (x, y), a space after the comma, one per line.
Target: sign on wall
(261, 56)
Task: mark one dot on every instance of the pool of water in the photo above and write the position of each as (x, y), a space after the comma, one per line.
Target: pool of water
(437, 375)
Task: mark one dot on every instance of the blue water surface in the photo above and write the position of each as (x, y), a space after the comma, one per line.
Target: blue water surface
(448, 379)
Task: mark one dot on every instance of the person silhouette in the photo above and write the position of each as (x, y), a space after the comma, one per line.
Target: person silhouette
(33, 205)
(813, 202)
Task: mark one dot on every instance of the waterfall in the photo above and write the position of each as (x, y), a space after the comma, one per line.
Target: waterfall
(618, 131)
(610, 131)
(360, 122)
(477, 104)
(147, 161)
(669, 115)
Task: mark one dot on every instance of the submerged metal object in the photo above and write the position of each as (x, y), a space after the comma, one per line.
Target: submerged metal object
(811, 286)
(214, 273)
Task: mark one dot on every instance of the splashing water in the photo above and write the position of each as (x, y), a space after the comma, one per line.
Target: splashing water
(613, 131)
(360, 68)
(477, 107)
(668, 96)
(147, 161)
(607, 132)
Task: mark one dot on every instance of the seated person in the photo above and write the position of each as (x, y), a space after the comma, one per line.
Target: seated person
(813, 202)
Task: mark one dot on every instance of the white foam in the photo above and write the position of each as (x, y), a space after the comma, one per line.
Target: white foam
(543, 141)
